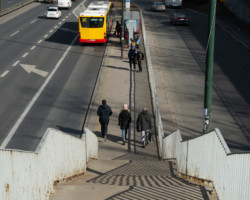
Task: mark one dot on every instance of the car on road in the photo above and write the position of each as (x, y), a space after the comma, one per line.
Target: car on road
(53, 12)
(173, 3)
(179, 18)
(64, 4)
(158, 6)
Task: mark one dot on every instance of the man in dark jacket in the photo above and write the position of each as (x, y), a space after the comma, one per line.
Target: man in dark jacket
(132, 57)
(144, 125)
(124, 121)
(104, 111)
(139, 58)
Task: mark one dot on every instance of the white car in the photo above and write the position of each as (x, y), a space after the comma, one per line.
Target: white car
(64, 4)
(53, 12)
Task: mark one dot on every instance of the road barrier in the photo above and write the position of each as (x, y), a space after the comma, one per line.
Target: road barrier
(31, 175)
(208, 158)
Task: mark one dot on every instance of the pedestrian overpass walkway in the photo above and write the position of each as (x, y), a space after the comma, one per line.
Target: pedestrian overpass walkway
(125, 171)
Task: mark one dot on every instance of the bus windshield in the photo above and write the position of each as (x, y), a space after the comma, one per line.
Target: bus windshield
(92, 22)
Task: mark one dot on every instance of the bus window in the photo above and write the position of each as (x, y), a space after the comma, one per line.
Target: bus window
(92, 22)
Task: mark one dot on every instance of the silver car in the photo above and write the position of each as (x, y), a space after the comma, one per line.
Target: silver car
(158, 6)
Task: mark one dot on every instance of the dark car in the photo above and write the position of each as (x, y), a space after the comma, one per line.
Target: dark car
(179, 18)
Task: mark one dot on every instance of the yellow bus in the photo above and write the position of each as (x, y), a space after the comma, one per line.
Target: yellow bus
(95, 22)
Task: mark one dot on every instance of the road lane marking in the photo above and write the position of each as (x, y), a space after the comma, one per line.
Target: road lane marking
(80, 5)
(15, 64)
(24, 55)
(5, 73)
(34, 99)
(51, 31)
(32, 68)
(14, 33)
(33, 21)
(56, 27)
(39, 41)
(32, 47)
(46, 36)
(59, 22)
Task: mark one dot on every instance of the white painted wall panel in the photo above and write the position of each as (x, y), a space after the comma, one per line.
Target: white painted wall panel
(30, 175)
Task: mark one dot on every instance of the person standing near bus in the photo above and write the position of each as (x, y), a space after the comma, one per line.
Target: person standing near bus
(104, 111)
(118, 28)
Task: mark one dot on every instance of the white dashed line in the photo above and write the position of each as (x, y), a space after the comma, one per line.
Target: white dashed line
(5, 73)
(34, 99)
(59, 22)
(51, 31)
(66, 17)
(62, 20)
(56, 27)
(32, 47)
(14, 33)
(15, 64)
(33, 21)
(24, 55)
(46, 36)
(39, 41)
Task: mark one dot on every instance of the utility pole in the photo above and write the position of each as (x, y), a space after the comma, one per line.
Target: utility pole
(209, 67)
(122, 39)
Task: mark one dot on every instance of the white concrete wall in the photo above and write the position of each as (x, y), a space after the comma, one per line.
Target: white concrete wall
(30, 175)
(208, 157)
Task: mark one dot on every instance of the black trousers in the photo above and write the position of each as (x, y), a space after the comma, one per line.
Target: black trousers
(132, 61)
(104, 129)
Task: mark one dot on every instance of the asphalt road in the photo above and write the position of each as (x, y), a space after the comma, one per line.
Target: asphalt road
(8, 3)
(179, 51)
(56, 91)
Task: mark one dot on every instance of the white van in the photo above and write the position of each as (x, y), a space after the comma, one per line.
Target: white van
(64, 4)
(173, 3)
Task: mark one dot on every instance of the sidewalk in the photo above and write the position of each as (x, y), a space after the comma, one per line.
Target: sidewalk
(125, 171)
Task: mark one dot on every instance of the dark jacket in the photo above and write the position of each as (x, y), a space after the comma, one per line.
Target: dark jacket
(131, 54)
(124, 119)
(143, 121)
(104, 111)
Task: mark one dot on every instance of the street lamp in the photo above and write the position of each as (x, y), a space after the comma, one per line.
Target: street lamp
(209, 67)
(122, 39)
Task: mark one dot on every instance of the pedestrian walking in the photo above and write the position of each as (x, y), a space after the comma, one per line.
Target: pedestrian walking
(132, 57)
(104, 111)
(118, 28)
(143, 125)
(139, 59)
(124, 121)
